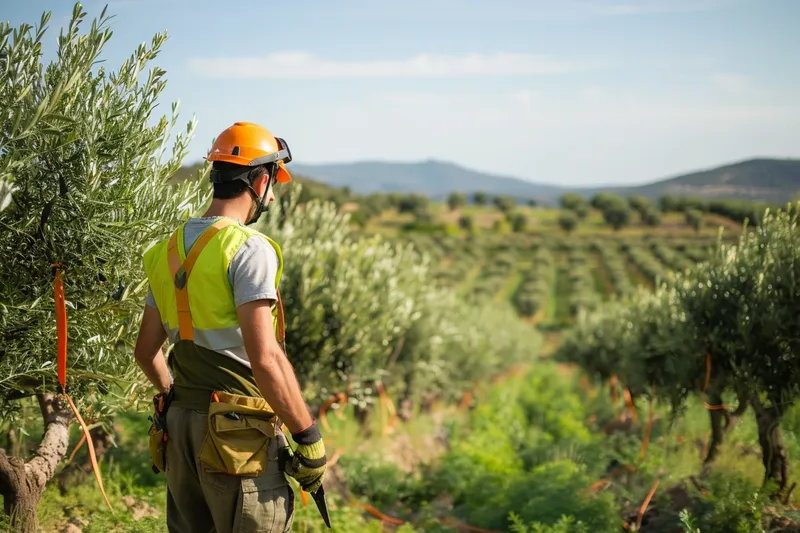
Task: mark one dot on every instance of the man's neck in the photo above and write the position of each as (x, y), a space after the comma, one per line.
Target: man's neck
(228, 208)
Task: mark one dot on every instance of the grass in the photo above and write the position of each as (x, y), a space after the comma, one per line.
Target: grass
(561, 314)
(414, 448)
(544, 220)
(602, 279)
(511, 285)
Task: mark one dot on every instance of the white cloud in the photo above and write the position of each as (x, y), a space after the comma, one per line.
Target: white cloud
(593, 136)
(303, 65)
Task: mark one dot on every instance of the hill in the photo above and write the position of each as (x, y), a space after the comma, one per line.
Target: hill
(435, 179)
(772, 180)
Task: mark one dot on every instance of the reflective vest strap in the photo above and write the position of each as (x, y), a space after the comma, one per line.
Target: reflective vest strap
(181, 294)
(181, 271)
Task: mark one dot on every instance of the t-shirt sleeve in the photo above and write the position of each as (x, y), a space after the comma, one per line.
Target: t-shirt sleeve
(150, 300)
(253, 270)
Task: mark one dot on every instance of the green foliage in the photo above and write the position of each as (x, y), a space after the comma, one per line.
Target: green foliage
(519, 222)
(534, 291)
(456, 200)
(506, 464)
(651, 217)
(646, 263)
(501, 227)
(731, 503)
(369, 310)
(371, 206)
(616, 213)
(694, 218)
(615, 264)
(669, 203)
(90, 168)
(739, 308)
(359, 218)
(644, 341)
(671, 258)
(567, 220)
(740, 210)
(640, 203)
(603, 200)
(413, 203)
(466, 222)
(492, 277)
(505, 203)
(574, 202)
(687, 203)
(480, 198)
(582, 293)
(566, 524)
(379, 481)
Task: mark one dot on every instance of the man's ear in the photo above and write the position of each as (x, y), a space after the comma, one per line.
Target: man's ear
(261, 183)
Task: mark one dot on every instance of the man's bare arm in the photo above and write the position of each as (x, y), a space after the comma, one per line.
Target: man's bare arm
(148, 349)
(272, 370)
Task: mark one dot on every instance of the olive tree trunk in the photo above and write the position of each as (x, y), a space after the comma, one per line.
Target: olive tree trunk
(722, 422)
(773, 451)
(22, 483)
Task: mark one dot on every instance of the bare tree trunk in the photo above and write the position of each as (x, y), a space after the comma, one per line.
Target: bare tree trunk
(773, 452)
(722, 422)
(22, 483)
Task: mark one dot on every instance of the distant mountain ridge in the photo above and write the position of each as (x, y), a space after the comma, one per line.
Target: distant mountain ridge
(771, 180)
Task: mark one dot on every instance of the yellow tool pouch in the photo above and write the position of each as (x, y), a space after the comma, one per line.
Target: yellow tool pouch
(158, 449)
(239, 431)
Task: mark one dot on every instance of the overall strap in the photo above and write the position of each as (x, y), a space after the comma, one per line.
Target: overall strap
(181, 270)
(281, 322)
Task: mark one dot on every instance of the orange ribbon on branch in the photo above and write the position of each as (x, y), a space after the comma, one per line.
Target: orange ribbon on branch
(649, 427)
(61, 337)
(626, 392)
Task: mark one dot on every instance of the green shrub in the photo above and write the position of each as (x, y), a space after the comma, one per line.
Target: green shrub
(568, 221)
(378, 481)
(505, 462)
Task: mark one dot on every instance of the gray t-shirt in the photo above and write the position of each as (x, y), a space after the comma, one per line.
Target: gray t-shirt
(252, 270)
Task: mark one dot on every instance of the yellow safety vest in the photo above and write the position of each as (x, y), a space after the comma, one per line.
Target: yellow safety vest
(193, 293)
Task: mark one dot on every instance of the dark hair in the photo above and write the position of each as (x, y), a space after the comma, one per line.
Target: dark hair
(235, 187)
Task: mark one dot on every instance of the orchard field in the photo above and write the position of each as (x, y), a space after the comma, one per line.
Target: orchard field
(481, 364)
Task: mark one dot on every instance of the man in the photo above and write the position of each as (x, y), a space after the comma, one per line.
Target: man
(213, 293)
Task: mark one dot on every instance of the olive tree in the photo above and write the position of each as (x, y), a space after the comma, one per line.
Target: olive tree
(567, 220)
(768, 329)
(727, 326)
(86, 165)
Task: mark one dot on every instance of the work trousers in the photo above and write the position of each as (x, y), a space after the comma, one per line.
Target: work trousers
(203, 501)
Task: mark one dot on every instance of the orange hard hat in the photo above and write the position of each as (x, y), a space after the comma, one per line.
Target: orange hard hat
(251, 145)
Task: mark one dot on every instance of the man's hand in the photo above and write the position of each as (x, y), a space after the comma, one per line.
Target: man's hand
(161, 403)
(309, 461)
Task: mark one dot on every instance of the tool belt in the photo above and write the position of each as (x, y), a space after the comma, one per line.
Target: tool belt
(239, 432)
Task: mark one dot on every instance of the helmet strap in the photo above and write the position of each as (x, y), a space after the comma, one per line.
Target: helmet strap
(261, 203)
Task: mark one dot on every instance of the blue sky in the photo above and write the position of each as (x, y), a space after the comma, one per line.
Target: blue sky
(559, 91)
